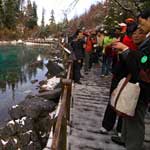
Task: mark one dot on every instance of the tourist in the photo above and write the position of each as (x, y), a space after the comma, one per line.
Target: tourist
(78, 45)
(118, 71)
(88, 51)
(133, 130)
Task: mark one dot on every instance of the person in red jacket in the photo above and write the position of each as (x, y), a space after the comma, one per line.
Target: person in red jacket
(88, 50)
(127, 40)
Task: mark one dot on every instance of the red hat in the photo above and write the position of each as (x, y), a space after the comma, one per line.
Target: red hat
(129, 20)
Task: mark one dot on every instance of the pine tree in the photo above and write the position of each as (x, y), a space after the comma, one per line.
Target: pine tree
(20, 4)
(52, 18)
(10, 14)
(34, 14)
(31, 15)
(28, 14)
(43, 18)
(1, 14)
(145, 3)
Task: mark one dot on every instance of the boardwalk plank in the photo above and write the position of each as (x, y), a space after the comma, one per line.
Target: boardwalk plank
(89, 103)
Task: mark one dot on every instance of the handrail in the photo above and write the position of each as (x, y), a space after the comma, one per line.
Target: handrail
(59, 138)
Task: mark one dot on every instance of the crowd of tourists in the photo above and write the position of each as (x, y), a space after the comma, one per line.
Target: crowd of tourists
(123, 50)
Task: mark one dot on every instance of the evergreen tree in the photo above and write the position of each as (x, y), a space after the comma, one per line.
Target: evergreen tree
(52, 18)
(19, 10)
(145, 3)
(31, 15)
(34, 14)
(20, 4)
(1, 14)
(118, 10)
(28, 14)
(10, 14)
(43, 18)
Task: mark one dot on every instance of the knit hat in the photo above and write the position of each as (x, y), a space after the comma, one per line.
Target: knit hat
(129, 20)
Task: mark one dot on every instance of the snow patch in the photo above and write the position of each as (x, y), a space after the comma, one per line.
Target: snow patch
(51, 83)
(30, 142)
(28, 132)
(61, 65)
(44, 135)
(15, 106)
(27, 92)
(15, 140)
(11, 122)
(4, 142)
(21, 121)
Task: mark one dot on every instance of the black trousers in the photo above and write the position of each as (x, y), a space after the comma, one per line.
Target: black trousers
(109, 119)
(76, 70)
(94, 59)
(110, 115)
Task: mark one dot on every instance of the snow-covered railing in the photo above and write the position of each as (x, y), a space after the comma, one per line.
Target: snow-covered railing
(58, 134)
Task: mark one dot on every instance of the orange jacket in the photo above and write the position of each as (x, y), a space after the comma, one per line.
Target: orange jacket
(89, 45)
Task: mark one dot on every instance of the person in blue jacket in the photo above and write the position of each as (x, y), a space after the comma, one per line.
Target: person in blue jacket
(138, 64)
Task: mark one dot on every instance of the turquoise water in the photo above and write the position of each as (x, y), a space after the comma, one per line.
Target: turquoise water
(18, 67)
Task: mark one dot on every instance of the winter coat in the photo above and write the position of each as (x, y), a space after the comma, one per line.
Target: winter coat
(140, 71)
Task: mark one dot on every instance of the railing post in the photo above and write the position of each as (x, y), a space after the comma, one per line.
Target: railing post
(59, 141)
(68, 84)
(69, 100)
(70, 63)
(63, 135)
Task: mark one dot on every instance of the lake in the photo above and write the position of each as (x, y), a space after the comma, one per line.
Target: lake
(19, 65)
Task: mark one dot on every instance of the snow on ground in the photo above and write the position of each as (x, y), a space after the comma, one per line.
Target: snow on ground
(51, 83)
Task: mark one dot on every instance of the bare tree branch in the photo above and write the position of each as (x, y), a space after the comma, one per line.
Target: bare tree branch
(124, 8)
(137, 5)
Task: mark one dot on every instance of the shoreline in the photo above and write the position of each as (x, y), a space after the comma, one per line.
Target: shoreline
(28, 42)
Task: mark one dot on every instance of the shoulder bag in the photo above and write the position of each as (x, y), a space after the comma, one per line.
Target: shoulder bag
(125, 97)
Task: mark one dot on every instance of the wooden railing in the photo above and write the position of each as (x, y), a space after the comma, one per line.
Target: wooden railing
(58, 138)
(46, 41)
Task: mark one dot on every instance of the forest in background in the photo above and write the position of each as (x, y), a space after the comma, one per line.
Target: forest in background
(109, 14)
(18, 18)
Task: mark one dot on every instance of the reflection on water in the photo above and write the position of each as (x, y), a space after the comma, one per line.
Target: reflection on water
(19, 65)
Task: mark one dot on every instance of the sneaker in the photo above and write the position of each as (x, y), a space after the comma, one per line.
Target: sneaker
(119, 134)
(117, 140)
(78, 82)
(81, 76)
(103, 131)
(102, 75)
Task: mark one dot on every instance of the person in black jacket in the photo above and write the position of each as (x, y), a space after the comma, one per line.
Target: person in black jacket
(110, 116)
(133, 130)
(78, 45)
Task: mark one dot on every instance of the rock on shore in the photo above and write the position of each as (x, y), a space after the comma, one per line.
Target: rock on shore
(28, 129)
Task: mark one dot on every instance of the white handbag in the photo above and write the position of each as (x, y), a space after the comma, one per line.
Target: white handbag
(125, 97)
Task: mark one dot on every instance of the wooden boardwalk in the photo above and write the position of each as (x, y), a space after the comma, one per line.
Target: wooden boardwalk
(89, 103)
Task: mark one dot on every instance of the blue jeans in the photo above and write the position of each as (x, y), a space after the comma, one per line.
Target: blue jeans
(106, 65)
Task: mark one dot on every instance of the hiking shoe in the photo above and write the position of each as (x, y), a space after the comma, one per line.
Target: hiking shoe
(102, 75)
(103, 131)
(78, 82)
(119, 134)
(81, 76)
(117, 140)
